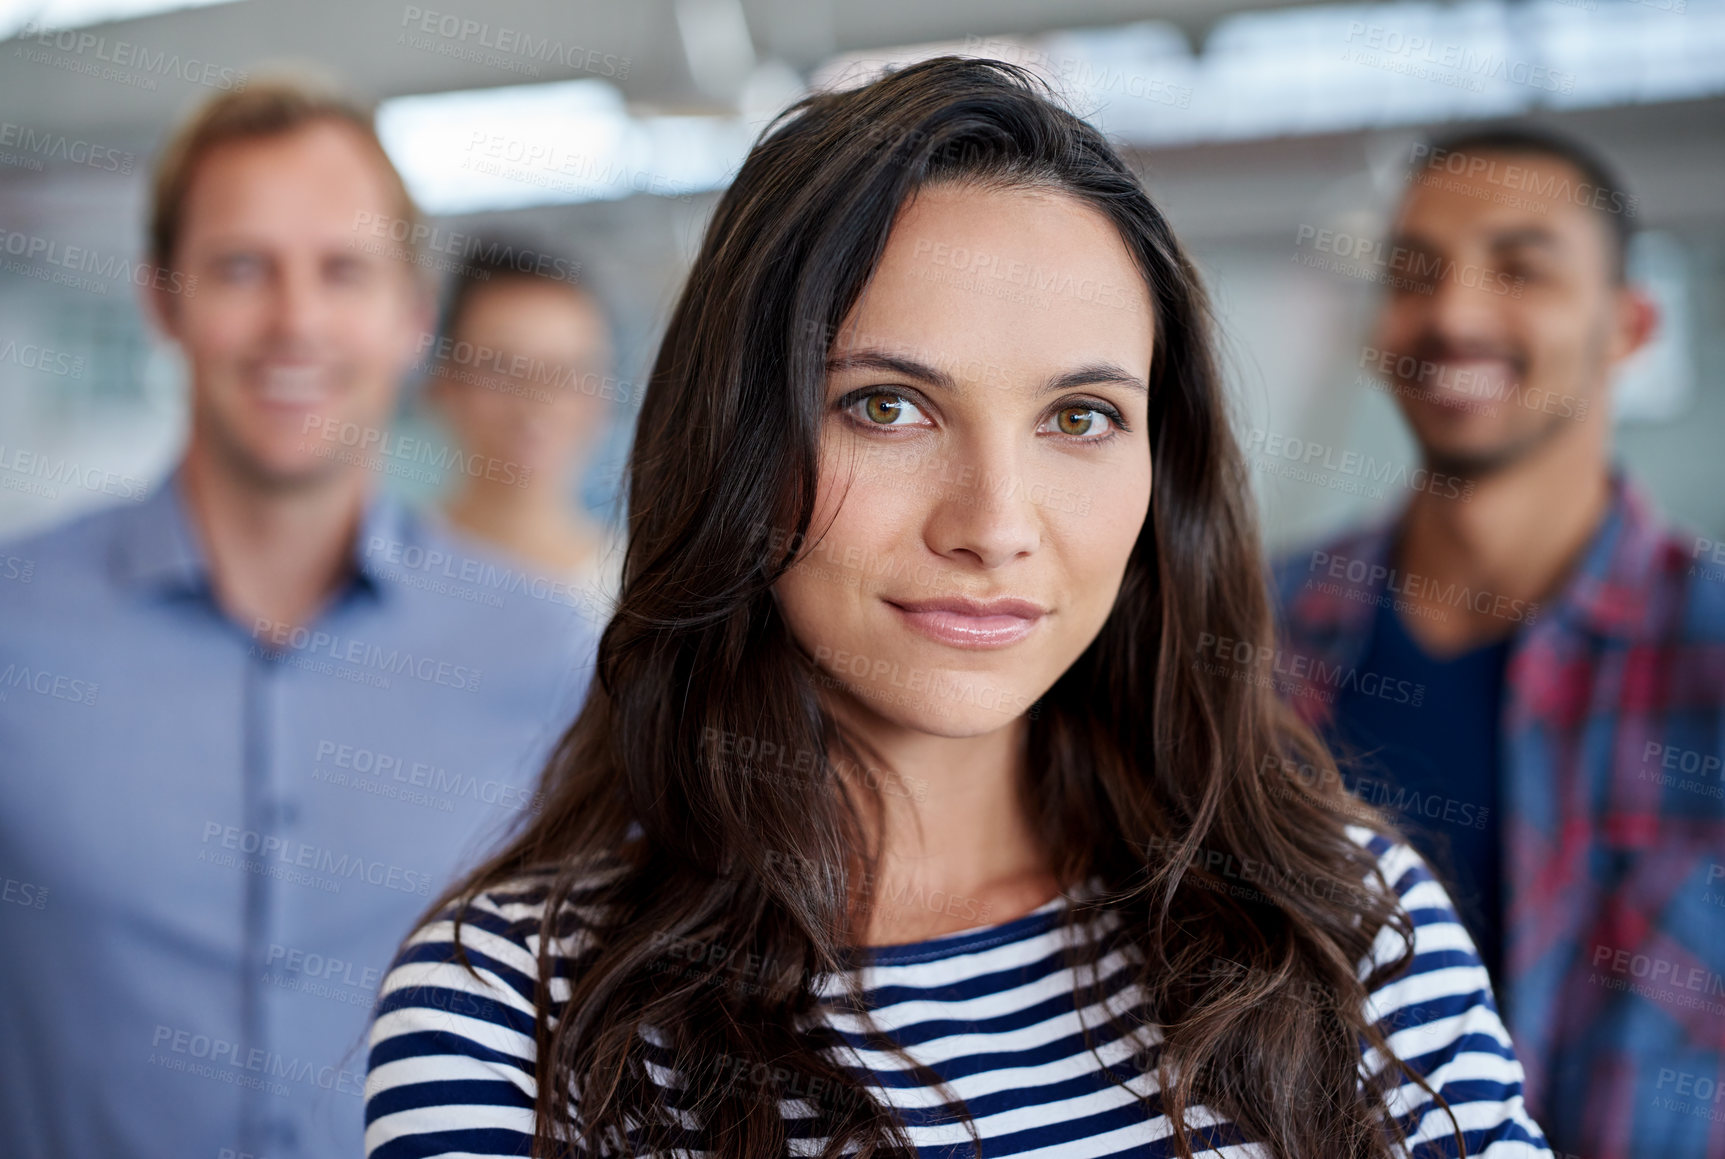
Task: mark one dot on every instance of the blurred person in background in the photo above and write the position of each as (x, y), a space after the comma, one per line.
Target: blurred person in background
(253, 722)
(522, 375)
(1558, 636)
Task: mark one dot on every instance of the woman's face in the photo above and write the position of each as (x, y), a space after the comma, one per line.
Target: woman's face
(984, 461)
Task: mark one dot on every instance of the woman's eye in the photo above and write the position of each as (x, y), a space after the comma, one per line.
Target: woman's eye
(885, 409)
(1081, 421)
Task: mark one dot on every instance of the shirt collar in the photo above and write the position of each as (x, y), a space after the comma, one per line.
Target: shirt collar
(1609, 590)
(162, 550)
(159, 548)
(1349, 616)
(383, 522)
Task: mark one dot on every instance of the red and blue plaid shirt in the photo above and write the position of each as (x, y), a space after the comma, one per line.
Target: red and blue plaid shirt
(1612, 802)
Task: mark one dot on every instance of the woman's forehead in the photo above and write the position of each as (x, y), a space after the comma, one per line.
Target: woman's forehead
(983, 281)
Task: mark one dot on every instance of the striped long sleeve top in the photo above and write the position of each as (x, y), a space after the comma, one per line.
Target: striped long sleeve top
(993, 1011)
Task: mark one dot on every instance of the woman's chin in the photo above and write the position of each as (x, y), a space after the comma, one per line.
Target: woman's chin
(963, 710)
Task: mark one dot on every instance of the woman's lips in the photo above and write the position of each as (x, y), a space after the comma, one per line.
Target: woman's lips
(974, 624)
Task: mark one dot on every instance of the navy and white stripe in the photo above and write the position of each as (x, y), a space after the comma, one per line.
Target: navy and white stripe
(991, 1010)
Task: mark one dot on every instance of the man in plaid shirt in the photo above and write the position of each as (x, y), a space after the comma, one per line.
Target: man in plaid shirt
(1525, 664)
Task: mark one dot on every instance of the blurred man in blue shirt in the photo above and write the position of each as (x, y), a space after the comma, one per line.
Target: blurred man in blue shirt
(251, 725)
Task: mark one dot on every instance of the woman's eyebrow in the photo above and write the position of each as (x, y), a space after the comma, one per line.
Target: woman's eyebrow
(892, 364)
(1094, 374)
(879, 360)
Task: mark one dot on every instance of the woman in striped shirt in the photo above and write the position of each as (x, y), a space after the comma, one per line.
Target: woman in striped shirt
(934, 797)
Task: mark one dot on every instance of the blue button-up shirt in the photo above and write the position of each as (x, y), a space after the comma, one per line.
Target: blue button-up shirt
(211, 847)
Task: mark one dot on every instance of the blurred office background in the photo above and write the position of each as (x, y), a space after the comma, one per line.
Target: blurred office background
(606, 128)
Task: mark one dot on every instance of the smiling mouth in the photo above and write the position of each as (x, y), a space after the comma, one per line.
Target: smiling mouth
(1464, 383)
(292, 388)
(973, 624)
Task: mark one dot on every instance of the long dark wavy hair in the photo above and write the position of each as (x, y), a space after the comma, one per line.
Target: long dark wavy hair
(1148, 768)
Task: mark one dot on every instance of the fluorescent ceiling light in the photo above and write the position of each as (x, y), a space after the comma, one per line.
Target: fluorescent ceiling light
(16, 15)
(1341, 67)
(549, 144)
